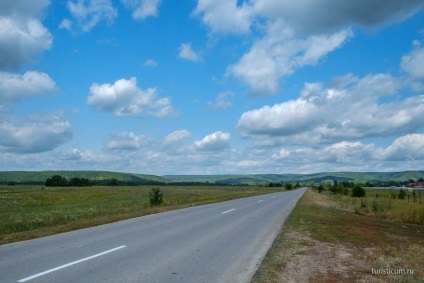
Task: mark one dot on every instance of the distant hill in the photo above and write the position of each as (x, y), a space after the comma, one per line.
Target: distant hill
(39, 177)
(301, 178)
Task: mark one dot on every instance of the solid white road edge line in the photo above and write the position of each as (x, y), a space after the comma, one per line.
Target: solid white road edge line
(228, 211)
(69, 264)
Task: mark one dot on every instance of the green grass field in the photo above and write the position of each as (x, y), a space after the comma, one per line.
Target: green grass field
(33, 211)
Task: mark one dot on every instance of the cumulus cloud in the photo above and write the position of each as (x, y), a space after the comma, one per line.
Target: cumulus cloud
(126, 141)
(176, 137)
(125, 99)
(214, 142)
(279, 53)
(320, 16)
(34, 134)
(405, 148)
(348, 109)
(187, 53)
(225, 16)
(412, 64)
(22, 35)
(88, 13)
(16, 87)
(143, 8)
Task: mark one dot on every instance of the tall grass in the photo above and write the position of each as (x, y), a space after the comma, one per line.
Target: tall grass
(385, 204)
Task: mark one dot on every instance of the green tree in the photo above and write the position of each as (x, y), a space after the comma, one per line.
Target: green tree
(358, 191)
(288, 186)
(155, 197)
(340, 188)
(112, 182)
(321, 188)
(79, 182)
(56, 181)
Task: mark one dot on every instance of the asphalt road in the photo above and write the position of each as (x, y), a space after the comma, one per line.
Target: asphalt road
(222, 242)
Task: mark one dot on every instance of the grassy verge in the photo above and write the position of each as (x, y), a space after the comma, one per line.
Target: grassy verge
(386, 204)
(325, 241)
(33, 211)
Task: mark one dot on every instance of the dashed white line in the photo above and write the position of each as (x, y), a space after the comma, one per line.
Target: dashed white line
(228, 211)
(69, 264)
(260, 200)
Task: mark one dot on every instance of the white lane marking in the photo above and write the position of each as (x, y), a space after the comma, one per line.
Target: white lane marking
(69, 264)
(228, 211)
(260, 200)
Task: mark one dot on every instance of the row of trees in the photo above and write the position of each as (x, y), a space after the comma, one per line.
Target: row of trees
(287, 186)
(343, 188)
(59, 181)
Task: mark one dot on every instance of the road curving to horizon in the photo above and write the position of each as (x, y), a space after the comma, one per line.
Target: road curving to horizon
(221, 242)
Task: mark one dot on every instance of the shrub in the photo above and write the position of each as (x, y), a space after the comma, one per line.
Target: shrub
(401, 194)
(288, 186)
(358, 191)
(321, 188)
(156, 197)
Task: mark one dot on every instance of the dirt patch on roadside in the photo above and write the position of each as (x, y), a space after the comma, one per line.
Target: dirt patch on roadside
(324, 242)
(310, 260)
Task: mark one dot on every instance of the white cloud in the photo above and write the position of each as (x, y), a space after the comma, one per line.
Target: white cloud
(323, 115)
(34, 134)
(413, 65)
(15, 87)
(413, 62)
(279, 53)
(214, 142)
(77, 154)
(319, 16)
(176, 137)
(143, 8)
(88, 13)
(405, 148)
(150, 63)
(20, 40)
(222, 100)
(225, 16)
(187, 53)
(126, 141)
(125, 99)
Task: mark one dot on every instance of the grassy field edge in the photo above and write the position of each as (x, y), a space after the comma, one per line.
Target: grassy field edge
(28, 212)
(322, 241)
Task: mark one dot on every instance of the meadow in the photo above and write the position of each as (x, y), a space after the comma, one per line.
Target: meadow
(29, 211)
(385, 203)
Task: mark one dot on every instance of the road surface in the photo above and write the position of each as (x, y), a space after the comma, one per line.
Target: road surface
(222, 242)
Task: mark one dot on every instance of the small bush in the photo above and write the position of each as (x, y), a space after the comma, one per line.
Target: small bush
(156, 197)
(358, 192)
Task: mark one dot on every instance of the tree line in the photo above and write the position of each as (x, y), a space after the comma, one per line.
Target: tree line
(59, 181)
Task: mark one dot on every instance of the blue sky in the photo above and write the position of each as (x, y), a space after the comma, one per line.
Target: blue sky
(212, 86)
